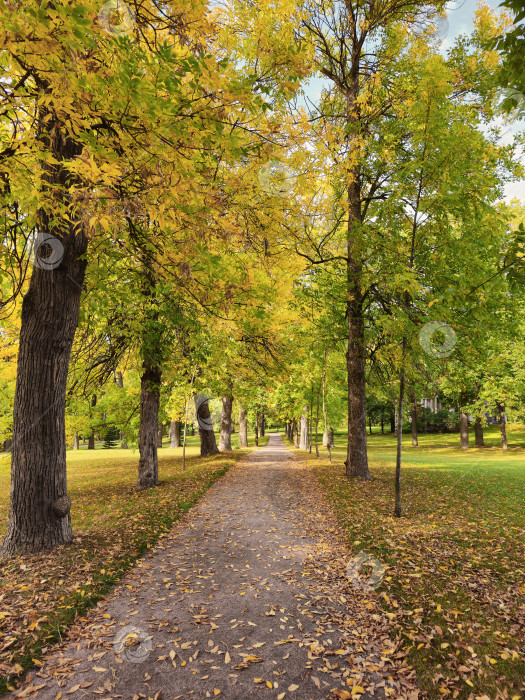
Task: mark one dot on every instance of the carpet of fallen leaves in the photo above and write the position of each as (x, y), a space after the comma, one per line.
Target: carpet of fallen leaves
(247, 596)
(454, 589)
(41, 595)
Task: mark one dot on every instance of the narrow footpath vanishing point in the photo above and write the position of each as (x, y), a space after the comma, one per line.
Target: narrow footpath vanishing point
(246, 597)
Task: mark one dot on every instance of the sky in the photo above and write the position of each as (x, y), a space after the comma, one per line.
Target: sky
(460, 20)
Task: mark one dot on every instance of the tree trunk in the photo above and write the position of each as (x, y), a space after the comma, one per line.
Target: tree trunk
(76, 444)
(120, 383)
(396, 417)
(295, 433)
(311, 421)
(149, 425)
(398, 510)
(257, 428)
(39, 512)
(174, 434)
(225, 440)
(463, 429)
(160, 431)
(502, 425)
(478, 432)
(415, 441)
(325, 417)
(303, 443)
(91, 438)
(206, 433)
(262, 428)
(330, 442)
(356, 459)
(243, 428)
(317, 426)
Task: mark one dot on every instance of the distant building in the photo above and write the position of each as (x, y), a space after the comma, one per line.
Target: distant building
(433, 404)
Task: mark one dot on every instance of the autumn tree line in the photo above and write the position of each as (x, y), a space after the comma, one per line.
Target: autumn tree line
(181, 220)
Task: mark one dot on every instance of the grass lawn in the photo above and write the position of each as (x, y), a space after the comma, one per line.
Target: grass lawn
(455, 584)
(112, 523)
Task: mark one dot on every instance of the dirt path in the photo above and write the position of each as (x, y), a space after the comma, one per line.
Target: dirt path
(246, 597)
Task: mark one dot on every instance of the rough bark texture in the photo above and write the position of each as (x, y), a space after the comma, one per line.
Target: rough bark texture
(225, 438)
(120, 383)
(414, 421)
(478, 432)
(356, 459)
(49, 320)
(396, 416)
(303, 443)
(310, 424)
(149, 424)
(398, 510)
(325, 418)
(76, 444)
(91, 438)
(175, 433)
(317, 426)
(330, 442)
(463, 429)
(206, 433)
(243, 428)
(295, 433)
(502, 425)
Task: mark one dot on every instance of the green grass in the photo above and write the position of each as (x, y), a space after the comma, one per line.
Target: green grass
(113, 523)
(192, 446)
(455, 586)
(492, 437)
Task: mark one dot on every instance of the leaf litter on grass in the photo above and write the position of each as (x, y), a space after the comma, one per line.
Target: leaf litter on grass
(454, 591)
(40, 595)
